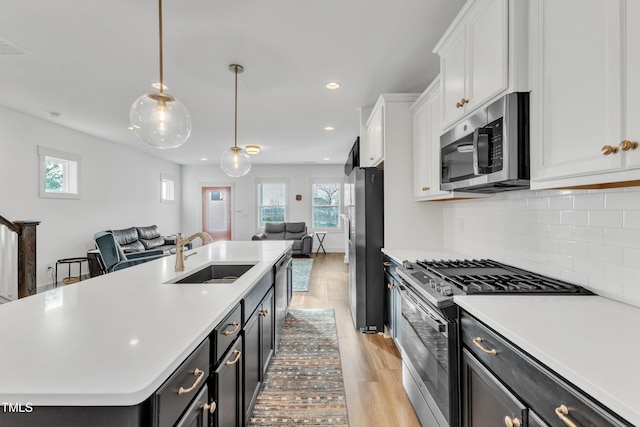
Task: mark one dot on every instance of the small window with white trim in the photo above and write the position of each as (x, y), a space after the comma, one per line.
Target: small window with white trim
(325, 200)
(59, 174)
(167, 188)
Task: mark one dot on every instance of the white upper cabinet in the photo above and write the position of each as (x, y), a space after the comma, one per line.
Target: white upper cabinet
(426, 144)
(427, 116)
(482, 56)
(374, 144)
(585, 80)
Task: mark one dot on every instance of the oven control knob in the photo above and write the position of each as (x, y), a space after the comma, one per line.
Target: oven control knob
(432, 283)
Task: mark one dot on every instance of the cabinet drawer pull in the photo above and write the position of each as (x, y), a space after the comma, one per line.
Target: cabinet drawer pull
(459, 105)
(464, 101)
(264, 312)
(391, 286)
(235, 325)
(512, 422)
(607, 149)
(478, 341)
(425, 189)
(627, 145)
(209, 407)
(238, 353)
(199, 374)
(562, 412)
(387, 264)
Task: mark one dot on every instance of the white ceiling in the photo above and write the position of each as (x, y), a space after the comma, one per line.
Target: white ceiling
(90, 59)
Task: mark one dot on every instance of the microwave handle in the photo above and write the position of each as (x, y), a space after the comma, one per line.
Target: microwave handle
(476, 160)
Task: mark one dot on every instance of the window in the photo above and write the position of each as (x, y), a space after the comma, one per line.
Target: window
(59, 174)
(326, 204)
(272, 202)
(167, 189)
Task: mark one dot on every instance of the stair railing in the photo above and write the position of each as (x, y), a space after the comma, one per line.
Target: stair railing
(26, 231)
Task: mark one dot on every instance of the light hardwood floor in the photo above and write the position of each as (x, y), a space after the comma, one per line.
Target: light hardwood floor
(371, 364)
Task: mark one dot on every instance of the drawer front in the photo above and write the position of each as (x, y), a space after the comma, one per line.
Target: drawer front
(174, 396)
(543, 391)
(225, 333)
(253, 299)
(198, 413)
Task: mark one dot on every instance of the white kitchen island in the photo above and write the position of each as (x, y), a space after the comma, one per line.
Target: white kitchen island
(114, 339)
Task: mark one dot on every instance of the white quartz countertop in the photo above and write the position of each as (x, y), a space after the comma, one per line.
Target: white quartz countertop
(591, 341)
(114, 339)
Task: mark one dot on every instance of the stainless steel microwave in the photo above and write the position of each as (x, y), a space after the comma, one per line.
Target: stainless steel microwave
(488, 152)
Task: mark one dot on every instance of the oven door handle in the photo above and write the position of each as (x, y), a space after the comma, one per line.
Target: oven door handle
(430, 317)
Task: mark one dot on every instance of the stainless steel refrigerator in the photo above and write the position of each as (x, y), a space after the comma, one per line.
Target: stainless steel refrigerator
(364, 208)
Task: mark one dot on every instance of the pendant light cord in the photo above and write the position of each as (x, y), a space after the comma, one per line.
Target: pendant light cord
(235, 128)
(160, 39)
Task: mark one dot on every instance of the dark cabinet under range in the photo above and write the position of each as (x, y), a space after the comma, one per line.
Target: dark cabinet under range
(393, 300)
(497, 374)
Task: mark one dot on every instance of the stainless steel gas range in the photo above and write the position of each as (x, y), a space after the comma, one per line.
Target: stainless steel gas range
(429, 324)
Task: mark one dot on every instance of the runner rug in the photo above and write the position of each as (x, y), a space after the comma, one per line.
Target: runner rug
(303, 384)
(301, 274)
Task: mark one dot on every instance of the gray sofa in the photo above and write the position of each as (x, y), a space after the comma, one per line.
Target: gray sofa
(296, 231)
(143, 239)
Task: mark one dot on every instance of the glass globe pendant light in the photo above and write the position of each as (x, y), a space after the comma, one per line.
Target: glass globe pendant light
(234, 161)
(158, 118)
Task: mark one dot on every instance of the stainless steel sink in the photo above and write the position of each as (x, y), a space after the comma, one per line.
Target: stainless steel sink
(217, 273)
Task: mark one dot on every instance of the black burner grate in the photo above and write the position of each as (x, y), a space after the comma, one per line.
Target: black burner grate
(486, 276)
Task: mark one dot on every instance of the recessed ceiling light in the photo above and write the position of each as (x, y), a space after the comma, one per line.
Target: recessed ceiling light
(332, 85)
(157, 86)
(327, 128)
(326, 158)
(204, 159)
(252, 149)
(130, 127)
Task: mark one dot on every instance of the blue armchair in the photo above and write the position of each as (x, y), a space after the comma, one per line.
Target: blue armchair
(113, 257)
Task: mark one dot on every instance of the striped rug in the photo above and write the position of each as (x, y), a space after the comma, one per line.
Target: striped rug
(303, 384)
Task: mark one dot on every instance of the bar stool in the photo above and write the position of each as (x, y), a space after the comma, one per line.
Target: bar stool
(69, 261)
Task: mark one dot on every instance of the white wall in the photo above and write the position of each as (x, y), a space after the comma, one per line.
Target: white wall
(120, 188)
(588, 237)
(245, 222)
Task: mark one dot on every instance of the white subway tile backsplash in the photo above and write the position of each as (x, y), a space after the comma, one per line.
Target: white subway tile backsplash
(631, 258)
(549, 217)
(588, 237)
(562, 203)
(588, 202)
(627, 200)
(588, 234)
(627, 238)
(574, 217)
(573, 249)
(631, 219)
(606, 254)
(563, 232)
(605, 219)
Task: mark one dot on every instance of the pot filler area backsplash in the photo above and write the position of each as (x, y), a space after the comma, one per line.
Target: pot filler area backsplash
(587, 237)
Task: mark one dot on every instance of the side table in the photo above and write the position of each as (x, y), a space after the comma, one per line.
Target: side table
(70, 279)
(321, 235)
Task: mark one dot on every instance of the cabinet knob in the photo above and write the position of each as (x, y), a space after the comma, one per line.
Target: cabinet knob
(512, 422)
(627, 145)
(264, 312)
(387, 264)
(608, 149)
(464, 101)
(391, 286)
(562, 411)
(210, 407)
(425, 189)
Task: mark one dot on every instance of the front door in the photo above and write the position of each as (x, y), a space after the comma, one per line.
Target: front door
(216, 212)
